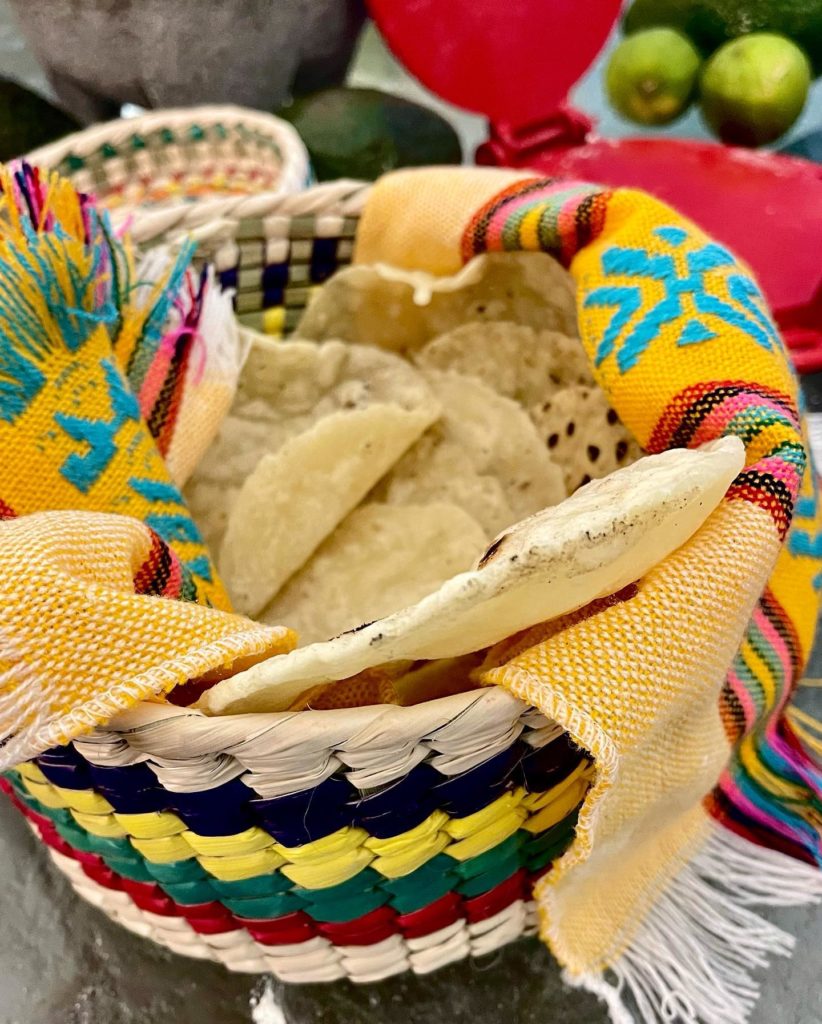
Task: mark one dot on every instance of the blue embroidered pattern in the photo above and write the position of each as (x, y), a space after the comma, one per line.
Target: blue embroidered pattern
(746, 309)
(77, 306)
(85, 470)
(805, 542)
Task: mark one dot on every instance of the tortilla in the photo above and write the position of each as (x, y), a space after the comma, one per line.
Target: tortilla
(518, 362)
(381, 558)
(286, 388)
(483, 455)
(296, 496)
(583, 434)
(607, 535)
(402, 310)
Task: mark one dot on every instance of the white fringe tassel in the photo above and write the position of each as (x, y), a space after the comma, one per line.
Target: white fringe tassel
(693, 959)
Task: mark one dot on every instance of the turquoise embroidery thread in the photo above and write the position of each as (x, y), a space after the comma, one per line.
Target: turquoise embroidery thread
(740, 310)
(83, 471)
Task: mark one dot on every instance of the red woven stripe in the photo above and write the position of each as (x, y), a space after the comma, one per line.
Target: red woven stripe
(432, 918)
(213, 918)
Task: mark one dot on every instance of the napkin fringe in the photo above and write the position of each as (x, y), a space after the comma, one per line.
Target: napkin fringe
(693, 960)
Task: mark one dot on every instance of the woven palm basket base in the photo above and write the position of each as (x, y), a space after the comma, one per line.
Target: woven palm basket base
(316, 845)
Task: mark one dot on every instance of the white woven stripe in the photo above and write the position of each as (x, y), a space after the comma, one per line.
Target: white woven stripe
(317, 959)
(277, 754)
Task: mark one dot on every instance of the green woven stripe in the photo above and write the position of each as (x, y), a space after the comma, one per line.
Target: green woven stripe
(491, 878)
(562, 831)
(428, 883)
(274, 895)
(348, 909)
(264, 907)
(547, 856)
(177, 871)
(262, 885)
(132, 869)
(489, 860)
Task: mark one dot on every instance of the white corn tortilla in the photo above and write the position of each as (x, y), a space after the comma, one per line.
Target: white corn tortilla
(605, 536)
(402, 310)
(521, 363)
(297, 495)
(484, 454)
(287, 390)
(379, 559)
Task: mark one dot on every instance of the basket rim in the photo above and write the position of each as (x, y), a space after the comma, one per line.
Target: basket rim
(279, 753)
(120, 129)
(148, 222)
(413, 717)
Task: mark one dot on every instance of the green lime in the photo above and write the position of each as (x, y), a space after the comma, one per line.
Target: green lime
(710, 23)
(651, 76)
(754, 88)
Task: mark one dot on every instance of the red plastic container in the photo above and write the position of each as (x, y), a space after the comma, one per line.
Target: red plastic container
(515, 61)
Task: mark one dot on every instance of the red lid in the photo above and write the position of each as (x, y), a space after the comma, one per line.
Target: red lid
(513, 60)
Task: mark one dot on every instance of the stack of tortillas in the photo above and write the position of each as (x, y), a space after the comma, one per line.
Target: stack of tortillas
(368, 463)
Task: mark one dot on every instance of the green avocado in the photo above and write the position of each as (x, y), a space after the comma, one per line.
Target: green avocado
(28, 121)
(362, 133)
(710, 23)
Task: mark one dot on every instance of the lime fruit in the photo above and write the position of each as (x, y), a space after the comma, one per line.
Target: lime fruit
(710, 23)
(652, 75)
(754, 88)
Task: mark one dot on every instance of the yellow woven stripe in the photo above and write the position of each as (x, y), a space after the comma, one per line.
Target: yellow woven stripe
(760, 773)
(152, 824)
(330, 847)
(85, 800)
(416, 836)
(250, 841)
(45, 793)
(536, 801)
(29, 770)
(486, 838)
(274, 320)
(402, 854)
(246, 865)
(399, 864)
(162, 836)
(105, 825)
(529, 229)
(557, 809)
(767, 440)
(461, 828)
(164, 849)
(762, 672)
(330, 872)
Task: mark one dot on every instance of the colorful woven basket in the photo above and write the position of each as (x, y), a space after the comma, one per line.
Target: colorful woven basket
(318, 845)
(171, 174)
(324, 844)
(368, 841)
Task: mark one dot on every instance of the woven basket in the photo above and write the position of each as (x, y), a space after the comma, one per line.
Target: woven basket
(317, 845)
(171, 173)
